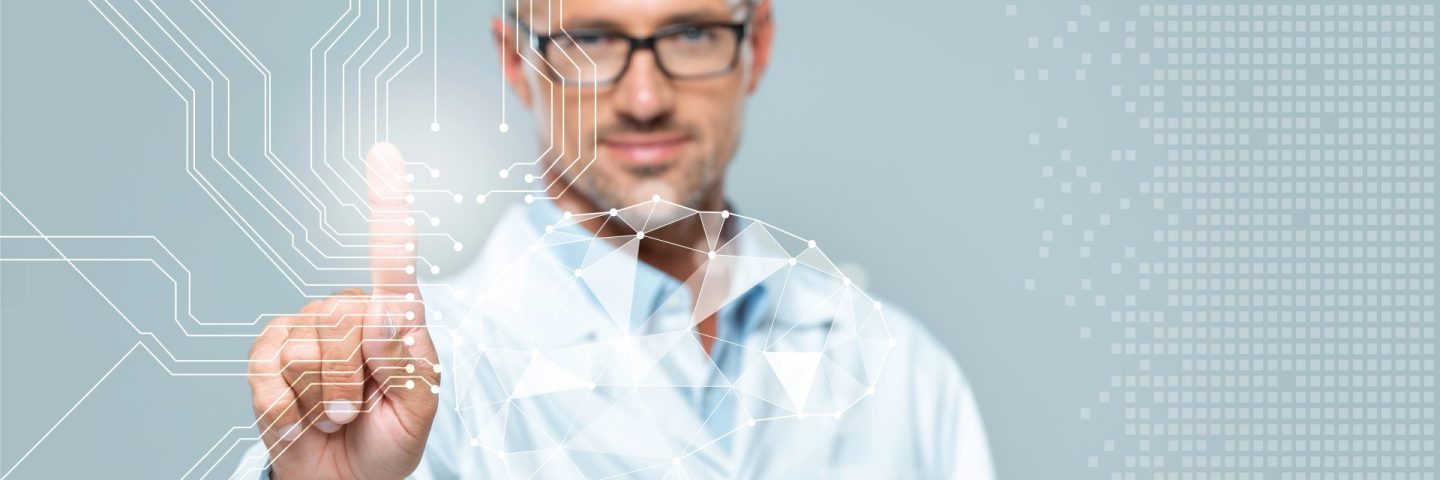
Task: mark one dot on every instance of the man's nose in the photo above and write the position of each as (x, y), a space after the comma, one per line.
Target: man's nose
(644, 93)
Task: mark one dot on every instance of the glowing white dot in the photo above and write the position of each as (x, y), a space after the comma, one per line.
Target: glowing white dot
(846, 281)
(529, 199)
(529, 178)
(750, 422)
(793, 261)
(480, 198)
(459, 246)
(549, 229)
(639, 235)
(878, 305)
(504, 127)
(567, 214)
(535, 353)
(724, 214)
(409, 384)
(675, 461)
(409, 198)
(410, 178)
(591, 386)
(505, 173)
(410, 315)
(614, 212)
(409, 269)
(434, 269)
(409, 221)
(459, 198)
(409, 340)
(838, 415)
(410, 368)
(474, 442)
(434, 173)
(409, 246)
(812, 244)
(435, 367)
(435, 127)
(435, 389)
(710, 255)
(870, 391)
(410, 297)
(579, 273)
(434, 221)
(893, 342)
(655, 198)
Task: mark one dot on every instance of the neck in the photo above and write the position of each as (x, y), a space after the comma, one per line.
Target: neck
(679, 248)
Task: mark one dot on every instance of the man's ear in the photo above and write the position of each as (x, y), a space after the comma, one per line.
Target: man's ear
(762, 34)
(506, 45)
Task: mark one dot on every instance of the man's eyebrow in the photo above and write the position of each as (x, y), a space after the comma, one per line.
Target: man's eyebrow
(590, 24)
(698, 16)
(693, 16)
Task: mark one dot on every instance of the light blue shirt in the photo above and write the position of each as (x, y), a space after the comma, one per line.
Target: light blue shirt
(567, 358)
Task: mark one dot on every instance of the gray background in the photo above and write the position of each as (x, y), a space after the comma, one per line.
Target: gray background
(901, 136)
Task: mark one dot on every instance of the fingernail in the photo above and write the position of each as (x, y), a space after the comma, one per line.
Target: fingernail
(289, 433)
(389, 328)
(341, 412)
(327, 426)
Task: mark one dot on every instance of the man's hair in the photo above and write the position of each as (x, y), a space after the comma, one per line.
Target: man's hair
(510, 5)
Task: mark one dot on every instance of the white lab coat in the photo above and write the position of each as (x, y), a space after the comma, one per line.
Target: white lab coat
(919, 421)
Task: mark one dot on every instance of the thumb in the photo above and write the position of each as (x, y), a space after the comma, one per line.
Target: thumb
(401, 356)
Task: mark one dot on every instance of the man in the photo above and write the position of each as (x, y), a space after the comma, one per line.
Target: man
(350, 387)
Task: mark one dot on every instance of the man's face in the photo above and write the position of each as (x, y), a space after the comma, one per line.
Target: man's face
(618, 133)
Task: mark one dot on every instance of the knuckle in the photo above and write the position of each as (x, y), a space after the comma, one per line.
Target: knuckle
(310, 306)
(264, 343)
(300, 351)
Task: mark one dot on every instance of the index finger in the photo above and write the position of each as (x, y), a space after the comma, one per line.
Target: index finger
(392, 228)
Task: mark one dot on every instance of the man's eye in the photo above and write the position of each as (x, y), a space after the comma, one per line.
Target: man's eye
(696, 34)
(586, 41)
(589, 39)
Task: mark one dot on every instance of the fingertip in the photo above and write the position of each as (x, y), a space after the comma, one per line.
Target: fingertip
(385, 159)
(385, 149)
(327, 426)
(342, 411)
(385, 173)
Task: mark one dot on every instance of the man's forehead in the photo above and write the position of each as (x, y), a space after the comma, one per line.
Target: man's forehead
(626, 14)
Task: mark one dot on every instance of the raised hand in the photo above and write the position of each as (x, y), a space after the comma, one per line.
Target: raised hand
(348, 387)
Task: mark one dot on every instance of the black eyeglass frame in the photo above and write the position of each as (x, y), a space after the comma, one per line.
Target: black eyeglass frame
(741, 29)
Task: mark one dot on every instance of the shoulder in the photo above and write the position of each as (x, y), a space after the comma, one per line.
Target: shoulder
(917, 349)
(923, 376)
(948, 432)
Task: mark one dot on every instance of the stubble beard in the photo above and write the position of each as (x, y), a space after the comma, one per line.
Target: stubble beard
(682, 197)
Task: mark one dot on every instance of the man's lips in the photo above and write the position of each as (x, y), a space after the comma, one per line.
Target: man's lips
(646, 149)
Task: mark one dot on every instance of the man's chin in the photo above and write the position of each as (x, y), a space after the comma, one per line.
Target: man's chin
(672, 205)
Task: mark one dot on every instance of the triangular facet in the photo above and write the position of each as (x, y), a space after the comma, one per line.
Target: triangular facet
(611, 278)
(713, 223)
(796, 372)
(544, 376)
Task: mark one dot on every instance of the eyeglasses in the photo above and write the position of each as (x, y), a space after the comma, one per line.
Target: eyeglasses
(687, 51)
